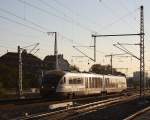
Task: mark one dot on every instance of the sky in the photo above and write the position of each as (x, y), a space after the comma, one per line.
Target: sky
(26, 22)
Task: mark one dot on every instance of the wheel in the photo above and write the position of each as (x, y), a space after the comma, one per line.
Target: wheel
(104, 93)
(70, 96)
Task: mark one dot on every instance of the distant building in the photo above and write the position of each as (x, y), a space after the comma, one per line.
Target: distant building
(50, 63)
(29, 61)
(136, 75)
(136, 78)
(31, 68)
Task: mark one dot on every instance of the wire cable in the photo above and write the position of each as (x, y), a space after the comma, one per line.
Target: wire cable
(10, 13)
(60, 17)
(77, 14)
(114, 14)
(118, 19)
(10, 20)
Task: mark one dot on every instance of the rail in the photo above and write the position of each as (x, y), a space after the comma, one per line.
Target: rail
(76, 111)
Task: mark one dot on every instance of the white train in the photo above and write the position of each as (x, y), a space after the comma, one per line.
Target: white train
(75, 84)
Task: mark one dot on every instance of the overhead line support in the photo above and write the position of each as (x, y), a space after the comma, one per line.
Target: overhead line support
(109, 35)
(141, 34)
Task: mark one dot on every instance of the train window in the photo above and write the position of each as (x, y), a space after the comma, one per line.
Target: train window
(86, 82)
(70, 81)
(100, 82)
(97, 83)
(107, 82)
(93, 82)
(90, 82)
(79, 81)
(76, 81)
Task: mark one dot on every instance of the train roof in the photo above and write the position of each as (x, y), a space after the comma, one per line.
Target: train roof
(61, 73)
(55, 72)
(91, 74)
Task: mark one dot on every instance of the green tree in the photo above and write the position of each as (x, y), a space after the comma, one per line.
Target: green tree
(8, 77)
(101, 69)
(104, 69)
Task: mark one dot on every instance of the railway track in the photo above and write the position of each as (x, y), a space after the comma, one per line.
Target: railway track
(9, 111)
(18, 109)
(40, 99)
(74, 112)
(137, 114)
(52, 100)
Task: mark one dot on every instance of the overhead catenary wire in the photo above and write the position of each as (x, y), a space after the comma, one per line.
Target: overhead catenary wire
(45, 3)
(50, 6)
(57, 16)
(6, 47)
(35, 29)
(37, 25)
(118, 19)
(76, 13)
(116, 15)
(27, 26)
(31, 22)
(43, 10)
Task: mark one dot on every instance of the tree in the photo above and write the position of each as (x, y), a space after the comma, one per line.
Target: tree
(8, 77)
(74, 68)
(101, 69)
(104, 69)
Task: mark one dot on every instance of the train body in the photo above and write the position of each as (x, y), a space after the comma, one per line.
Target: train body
(76, 84)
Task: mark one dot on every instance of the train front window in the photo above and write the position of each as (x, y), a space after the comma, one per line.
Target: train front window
(52, 78)
(63, 81)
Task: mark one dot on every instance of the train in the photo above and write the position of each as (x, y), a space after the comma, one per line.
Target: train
(72, 84)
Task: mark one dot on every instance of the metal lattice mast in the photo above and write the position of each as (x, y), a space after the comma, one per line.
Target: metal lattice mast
(142, 64)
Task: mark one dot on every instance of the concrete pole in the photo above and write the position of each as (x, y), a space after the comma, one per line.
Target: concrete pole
(20, 72)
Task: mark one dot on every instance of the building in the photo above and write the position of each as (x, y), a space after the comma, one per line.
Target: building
(136, 79)
(29, 61)
(31, 69)
(50, 63)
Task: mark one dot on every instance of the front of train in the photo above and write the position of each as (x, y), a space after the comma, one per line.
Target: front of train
(50, 82)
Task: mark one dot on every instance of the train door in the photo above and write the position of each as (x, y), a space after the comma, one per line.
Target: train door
(86, 82)
(86, 85)
(103, 84)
